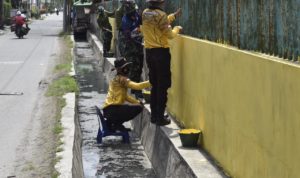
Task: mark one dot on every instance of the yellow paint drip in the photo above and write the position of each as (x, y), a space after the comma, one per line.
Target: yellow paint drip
(189, 131)
(146, 92)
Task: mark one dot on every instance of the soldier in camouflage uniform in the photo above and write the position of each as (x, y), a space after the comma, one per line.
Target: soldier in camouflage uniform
(119, 37)
(133, 52)
(106, 30)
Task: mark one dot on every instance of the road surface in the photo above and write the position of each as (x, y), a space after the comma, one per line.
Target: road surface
(23, 64)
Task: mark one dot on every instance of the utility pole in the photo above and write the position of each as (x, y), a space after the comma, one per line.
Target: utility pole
(1, 15)
(38, 7)
(67, 15)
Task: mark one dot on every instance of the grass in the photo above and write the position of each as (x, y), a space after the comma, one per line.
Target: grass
(57, 159)
(56, 174)
(28, 167)
(59, 149)
(63, 85)
(60, 143)
(58, 128)
(67, 39)
(63, 67)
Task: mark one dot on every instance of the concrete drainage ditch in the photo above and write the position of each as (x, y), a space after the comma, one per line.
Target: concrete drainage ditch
(112, 158)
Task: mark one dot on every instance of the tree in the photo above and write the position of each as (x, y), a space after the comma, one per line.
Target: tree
(1, 15)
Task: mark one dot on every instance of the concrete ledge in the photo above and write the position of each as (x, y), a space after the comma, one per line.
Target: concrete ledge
(168, 157)
(162, 144)
(77, 165)
(69, 165)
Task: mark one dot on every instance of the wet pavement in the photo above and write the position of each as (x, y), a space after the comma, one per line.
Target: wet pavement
(112, 158)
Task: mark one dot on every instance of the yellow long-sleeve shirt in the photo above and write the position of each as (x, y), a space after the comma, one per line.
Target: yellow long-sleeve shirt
(117, 92)
(156, 28)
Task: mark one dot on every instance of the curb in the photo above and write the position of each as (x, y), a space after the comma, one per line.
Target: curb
(70, 164)
(64, 166)
(162, 144)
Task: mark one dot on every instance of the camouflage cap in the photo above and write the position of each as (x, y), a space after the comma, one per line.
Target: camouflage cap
(120, 63)
(155, 0)
(129, 8)
(127, 1)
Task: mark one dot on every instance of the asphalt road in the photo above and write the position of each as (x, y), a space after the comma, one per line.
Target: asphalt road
(23, 64)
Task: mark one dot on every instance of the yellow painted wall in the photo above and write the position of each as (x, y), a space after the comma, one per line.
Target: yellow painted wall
(247, 105)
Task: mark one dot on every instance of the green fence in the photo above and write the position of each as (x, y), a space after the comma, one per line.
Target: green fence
(267, 26)
(111, 5)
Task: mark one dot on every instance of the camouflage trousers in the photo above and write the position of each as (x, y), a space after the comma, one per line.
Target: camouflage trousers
(121, 44)
(107, 36)
(135, 69)
(134, 53)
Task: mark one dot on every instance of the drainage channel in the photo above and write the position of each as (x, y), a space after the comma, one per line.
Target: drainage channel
(112, 158)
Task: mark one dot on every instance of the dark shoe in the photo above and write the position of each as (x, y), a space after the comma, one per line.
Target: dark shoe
(105, 54)
(153, 120)
(163, 121)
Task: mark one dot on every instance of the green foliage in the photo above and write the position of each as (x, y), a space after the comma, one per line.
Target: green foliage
(56, 174)
(28, 167)
(6, 8)
(59, 149)
(67, 40)
(63, 67)
(58, 128)
(35, 12)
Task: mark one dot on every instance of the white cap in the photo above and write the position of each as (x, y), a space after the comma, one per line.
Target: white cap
(18, 12)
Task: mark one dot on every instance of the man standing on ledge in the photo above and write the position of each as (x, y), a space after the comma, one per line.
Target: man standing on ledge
(157, 30)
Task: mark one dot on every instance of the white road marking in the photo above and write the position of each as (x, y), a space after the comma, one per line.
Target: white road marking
(11, 62)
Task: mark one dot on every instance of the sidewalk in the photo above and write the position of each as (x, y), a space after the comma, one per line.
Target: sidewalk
(6, 29)
(162, 144)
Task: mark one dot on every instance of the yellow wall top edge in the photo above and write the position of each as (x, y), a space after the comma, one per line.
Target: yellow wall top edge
(253, 53)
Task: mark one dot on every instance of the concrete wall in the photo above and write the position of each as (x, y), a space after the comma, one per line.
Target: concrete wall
(246, 104)
(77, 165)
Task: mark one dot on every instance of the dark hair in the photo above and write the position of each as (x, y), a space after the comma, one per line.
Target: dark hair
(123, 71)
(154, 5)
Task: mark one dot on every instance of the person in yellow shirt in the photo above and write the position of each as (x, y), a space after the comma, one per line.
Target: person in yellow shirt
(119, 106)
(157, 31)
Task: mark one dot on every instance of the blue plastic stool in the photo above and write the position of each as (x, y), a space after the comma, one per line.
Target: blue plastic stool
(105, 132)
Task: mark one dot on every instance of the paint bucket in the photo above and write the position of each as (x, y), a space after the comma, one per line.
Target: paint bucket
(189, 137)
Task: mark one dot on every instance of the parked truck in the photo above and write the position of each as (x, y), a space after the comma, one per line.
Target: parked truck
(81, 18)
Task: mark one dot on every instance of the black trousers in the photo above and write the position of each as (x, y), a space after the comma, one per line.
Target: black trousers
(118, 114)
(159, 61)
(107, 36)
